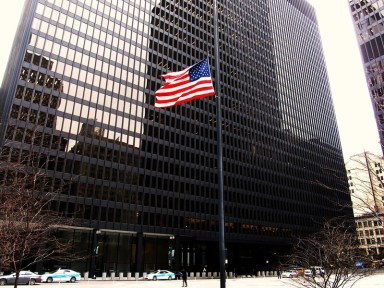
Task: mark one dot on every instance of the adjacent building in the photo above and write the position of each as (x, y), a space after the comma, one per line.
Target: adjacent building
(366, 186)
(142, 182)
(368, 18)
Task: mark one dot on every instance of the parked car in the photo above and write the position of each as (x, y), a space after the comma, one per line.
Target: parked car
(318, 269)
(289, 274)
(160, 275)
(61, 275)
(308, 272)
(299, 270)
(25, 277)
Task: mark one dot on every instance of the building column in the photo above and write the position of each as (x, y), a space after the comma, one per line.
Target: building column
(95, 252)
(139, 252)
(177, 253)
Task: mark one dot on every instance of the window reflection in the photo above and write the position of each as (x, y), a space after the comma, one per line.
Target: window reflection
(99, 62)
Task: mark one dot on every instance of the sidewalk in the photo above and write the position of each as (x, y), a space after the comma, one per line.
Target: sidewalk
(374, 281)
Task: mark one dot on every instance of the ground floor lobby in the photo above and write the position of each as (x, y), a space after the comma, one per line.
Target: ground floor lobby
(111, 252)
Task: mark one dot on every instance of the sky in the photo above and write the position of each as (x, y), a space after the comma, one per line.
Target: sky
(354, 113)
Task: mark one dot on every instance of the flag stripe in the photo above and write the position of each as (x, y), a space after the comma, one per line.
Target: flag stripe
(184, 99)
(199, 88)
(168, 77)
(170, 87)
(177, 80)
(183, 87)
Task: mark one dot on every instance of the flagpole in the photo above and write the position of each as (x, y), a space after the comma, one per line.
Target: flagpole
(219, 148)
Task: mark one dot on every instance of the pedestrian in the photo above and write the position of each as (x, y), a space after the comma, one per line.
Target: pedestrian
(313, 272)
(278, 273)
(184, 276)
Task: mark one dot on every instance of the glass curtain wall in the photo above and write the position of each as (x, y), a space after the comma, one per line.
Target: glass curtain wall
(142, 182)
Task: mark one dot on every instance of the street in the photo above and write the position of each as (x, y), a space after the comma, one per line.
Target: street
(374, 281)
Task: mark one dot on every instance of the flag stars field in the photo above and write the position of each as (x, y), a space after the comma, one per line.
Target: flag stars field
(199, 70)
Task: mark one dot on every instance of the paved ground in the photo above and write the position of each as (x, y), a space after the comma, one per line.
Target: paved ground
(374, 281)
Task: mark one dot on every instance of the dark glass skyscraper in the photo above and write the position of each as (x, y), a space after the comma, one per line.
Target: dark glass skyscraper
(142, 182)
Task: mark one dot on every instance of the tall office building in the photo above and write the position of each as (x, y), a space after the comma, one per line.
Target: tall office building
(368, 19)
(142, 182)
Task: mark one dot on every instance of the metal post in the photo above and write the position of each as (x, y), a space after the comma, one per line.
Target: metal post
(219, 148)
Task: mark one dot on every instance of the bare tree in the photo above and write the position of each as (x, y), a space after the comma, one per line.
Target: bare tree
(28, 220)
(335, 249)
(365, 173)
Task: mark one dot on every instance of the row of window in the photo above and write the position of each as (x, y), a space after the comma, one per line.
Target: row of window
(369, 223)
(371, 232)
(126, 217)
(370, 241)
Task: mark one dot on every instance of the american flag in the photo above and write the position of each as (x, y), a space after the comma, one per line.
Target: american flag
(193, 82)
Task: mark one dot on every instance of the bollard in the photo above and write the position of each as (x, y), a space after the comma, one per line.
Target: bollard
(121, 275)
(104, 276)
(86, 275)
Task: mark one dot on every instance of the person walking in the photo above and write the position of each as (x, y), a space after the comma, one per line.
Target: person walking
(184, 276)
(278, 273)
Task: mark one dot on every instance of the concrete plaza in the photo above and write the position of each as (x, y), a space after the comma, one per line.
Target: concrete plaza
(374, 281)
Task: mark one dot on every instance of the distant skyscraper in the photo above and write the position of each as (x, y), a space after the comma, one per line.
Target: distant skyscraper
(368, 17)
(142, 181)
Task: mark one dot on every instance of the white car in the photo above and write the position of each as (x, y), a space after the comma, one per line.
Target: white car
(308, 272)
(25, 277)
(61, 275)
(318, 269)
(160, 275)
(289, 274)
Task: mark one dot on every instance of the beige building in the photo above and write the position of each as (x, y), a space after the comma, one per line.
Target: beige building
(366, 186)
